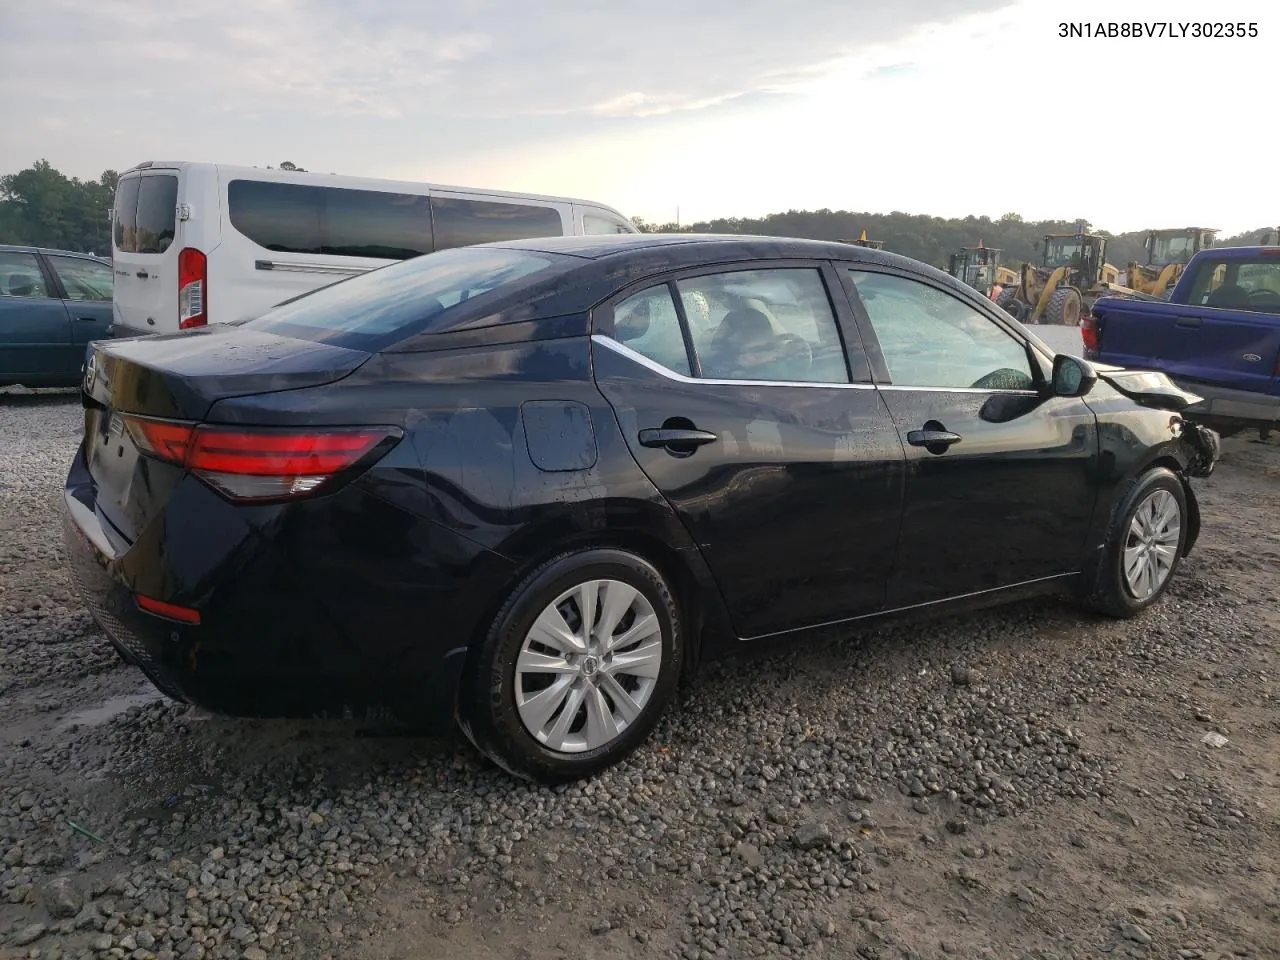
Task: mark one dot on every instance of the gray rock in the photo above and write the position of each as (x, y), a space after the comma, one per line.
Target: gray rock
(1131, 931)
(29, 934)
(62, 899)
(811, 834)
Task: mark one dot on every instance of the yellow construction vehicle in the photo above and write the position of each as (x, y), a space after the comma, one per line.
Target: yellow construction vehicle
(1071, 276)
(1167, 254)
(862, 241)
(979, 267)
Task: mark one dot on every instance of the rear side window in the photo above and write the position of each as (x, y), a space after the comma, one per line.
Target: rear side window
(463, 222)
(83, 279)
(332, 221)
(383, 306)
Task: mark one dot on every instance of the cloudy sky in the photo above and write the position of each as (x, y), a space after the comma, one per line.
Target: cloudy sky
(718, 107)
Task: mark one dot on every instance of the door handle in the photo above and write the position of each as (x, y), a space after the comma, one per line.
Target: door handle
(1188, 322)
(675, 438)
(142, 274)
(933, 438)
(87, 319)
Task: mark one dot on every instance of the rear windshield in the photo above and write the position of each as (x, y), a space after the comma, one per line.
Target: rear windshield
(376, 309)
(1237, 284)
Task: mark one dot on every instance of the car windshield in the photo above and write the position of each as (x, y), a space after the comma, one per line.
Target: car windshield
(378, 308)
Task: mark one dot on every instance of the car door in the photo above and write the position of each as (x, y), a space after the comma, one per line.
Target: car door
(85, 286)
(739, 401)
(1000, 475)
(35, 334)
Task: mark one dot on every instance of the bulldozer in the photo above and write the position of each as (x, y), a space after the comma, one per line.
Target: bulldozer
(1167, 254)
(862, 241)
(979, 267)
(1071, 276)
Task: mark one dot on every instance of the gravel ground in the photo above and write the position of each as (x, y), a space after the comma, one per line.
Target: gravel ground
(1025, 783)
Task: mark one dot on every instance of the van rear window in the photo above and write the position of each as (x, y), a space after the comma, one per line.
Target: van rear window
(146, 213)
(381, 307)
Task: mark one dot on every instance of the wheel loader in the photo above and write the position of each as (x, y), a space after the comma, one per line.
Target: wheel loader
(1071, 276)
(979, 267)
(1167, 254)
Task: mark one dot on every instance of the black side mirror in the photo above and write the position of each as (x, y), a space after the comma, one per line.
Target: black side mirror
(1072, 377)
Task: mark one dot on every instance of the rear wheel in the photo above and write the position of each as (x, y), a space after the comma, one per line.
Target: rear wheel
(1064, 307)
(577, 667)
(1144, 546)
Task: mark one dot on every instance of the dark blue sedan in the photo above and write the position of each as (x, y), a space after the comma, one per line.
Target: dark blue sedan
(52, 304)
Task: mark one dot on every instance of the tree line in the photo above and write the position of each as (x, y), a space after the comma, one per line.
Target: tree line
(41, 206)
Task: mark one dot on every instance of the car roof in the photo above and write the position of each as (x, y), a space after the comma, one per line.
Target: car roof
(25, 248)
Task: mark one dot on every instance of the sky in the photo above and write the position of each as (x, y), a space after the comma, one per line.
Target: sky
(714, 108)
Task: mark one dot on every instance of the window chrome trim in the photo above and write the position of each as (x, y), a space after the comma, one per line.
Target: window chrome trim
(670, 374)
(636, 357)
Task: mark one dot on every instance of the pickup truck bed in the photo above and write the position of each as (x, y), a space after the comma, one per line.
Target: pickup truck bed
(1217, 336)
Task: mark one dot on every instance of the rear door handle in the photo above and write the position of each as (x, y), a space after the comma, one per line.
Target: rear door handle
(667, 437)
(935, 441)
(142, 274)
(1188, 321)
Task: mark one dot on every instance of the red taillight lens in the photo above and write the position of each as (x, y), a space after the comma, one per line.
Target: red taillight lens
(258, 463)
(193, 307)
(1089, 334)
(162, 439)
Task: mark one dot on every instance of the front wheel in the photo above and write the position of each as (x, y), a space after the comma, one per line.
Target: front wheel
(577, 667)
(1144, 546)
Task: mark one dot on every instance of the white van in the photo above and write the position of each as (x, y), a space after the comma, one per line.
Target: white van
(200, 243)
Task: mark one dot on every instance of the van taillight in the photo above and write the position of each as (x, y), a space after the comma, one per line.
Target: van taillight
(193, 305)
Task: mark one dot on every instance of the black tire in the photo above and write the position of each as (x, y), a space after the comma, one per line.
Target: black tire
(1064, 307)
(488, 713)
(1110, 593)
(1006, 297)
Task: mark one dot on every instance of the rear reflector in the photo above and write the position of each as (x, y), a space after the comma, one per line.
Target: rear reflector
(192, 279)
(169, 610)
(258, 463)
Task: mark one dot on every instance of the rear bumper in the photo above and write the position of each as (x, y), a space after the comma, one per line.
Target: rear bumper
(288, 629)
(1224, 403)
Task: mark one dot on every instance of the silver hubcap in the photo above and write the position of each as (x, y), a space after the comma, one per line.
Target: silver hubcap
(1152, 544)
(588, 666)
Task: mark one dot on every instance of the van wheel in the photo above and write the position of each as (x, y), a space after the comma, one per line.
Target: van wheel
(577, 668)
(1144, 546)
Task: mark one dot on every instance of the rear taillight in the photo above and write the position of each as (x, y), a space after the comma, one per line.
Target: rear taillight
(259, 463)
(193, 306)
(1091, 334)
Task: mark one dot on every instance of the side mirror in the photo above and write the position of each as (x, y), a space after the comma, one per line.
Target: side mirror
(1072, 377)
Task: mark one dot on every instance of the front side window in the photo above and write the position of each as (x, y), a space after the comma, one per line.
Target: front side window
(932, 339)
(647, 322)
(601, 224)
(460, 223)
(772, 324)
(20, 276)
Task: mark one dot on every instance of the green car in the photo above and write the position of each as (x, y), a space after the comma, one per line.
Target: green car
(52, 304)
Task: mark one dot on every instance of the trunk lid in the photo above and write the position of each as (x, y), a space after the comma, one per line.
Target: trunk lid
(180, 377)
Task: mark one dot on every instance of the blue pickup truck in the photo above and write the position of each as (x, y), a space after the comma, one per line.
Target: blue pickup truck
(1218, 336)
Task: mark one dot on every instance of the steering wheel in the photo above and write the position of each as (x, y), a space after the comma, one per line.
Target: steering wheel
(1264, 296)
